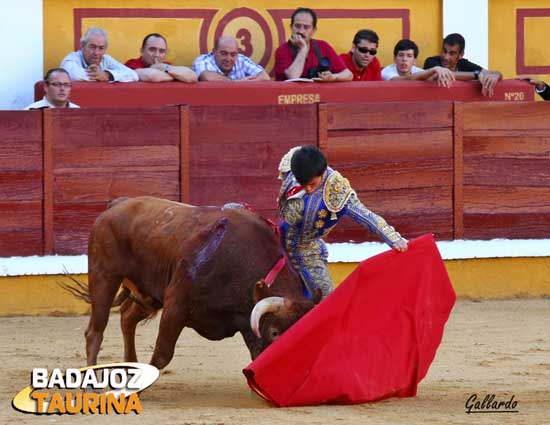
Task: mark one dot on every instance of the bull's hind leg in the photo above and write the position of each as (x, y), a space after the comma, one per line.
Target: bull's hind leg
(131, 313)
(103, 287)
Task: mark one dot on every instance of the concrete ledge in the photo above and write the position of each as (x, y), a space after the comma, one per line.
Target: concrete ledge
(485, 278)
(338, 253)
(38, 295)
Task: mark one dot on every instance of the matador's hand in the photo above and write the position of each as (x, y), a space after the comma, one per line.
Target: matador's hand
(401, 245)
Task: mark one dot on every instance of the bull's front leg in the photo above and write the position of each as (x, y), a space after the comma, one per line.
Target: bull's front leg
(172, 321)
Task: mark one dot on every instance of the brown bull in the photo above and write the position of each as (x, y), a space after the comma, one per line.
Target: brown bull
(204, 266)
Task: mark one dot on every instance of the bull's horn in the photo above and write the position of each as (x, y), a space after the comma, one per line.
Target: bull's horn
(267, 305)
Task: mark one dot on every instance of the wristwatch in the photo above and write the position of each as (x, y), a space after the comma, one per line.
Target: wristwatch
(167, 67)
(476, 74)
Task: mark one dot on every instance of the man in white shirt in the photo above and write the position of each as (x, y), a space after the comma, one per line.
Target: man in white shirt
(91, 63)
(405, 53)
(57, 89)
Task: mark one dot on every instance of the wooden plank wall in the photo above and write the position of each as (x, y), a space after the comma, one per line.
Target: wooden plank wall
(399, 159)
(99, 156)
(20, 183)
(471, 170)
(506, 170)
(235, 151)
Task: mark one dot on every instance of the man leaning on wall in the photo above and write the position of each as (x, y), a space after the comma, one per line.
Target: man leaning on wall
(404, 67)
(361, 60)
(541, 88)
(452, 57)
(152, 66)
(91, 63)
(304, 57)
(57, 89)
(225, 63)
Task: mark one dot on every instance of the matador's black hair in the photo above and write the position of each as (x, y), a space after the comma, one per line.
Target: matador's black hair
(307, 163)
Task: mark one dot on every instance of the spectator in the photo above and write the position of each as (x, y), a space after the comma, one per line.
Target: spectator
(541, 87)
(225, 63)
(57, 89)
(405, 53)
(452, 57)
(362, 60)
(302, 56)
(151, 65)
(90, 63)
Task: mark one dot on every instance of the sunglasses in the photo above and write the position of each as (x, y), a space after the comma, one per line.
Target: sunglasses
(365, 50)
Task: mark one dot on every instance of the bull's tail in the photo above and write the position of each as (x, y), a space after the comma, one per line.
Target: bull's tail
(79, 290)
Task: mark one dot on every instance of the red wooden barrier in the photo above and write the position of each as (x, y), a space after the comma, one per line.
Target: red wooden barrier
(235, 152)
(399, 159)
(475, 170)
(130, 95)
(20, 183)
(506, 170)
(101, 155)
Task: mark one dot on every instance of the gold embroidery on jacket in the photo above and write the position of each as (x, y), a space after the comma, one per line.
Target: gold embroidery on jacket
(336, 193)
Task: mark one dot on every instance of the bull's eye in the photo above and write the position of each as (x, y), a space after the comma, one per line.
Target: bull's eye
(274, 333)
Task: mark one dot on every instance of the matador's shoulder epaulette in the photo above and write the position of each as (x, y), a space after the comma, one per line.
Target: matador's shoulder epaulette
(284, 165)
(336, 193)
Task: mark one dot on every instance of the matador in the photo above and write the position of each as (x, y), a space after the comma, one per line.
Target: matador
(312, 200)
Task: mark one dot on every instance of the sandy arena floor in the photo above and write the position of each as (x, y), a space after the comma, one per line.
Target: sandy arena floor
(490, 347)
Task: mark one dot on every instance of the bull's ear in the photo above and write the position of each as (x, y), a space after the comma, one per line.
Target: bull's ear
(261, 291)
(200, 247)
(317, 296)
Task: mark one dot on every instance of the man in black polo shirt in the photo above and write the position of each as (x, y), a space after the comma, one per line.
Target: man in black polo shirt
(452, 57)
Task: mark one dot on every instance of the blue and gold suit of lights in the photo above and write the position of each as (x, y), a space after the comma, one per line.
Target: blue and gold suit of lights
(307, 218)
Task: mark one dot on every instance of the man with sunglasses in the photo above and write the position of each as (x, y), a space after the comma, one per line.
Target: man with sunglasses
(57, 88)
(152, 66)
(362, 60)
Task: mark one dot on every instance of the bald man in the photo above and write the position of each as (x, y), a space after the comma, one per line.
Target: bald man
(225, 63)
